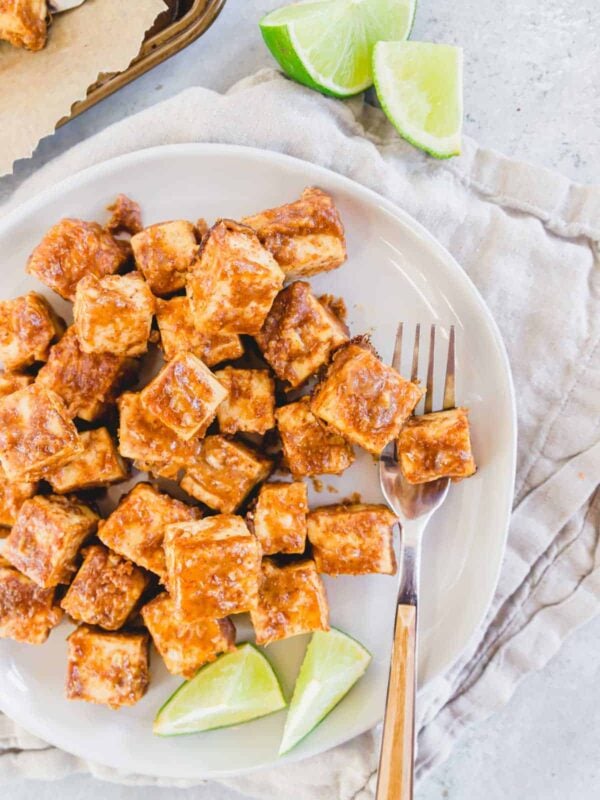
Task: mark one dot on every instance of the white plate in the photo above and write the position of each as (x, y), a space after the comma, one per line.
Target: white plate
(395, 271)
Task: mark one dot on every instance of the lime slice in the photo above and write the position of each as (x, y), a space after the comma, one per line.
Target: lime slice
(237, 687)
(419, 86)
(328, 44)
(332, 665)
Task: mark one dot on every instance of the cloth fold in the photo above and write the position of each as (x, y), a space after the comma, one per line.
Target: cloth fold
(529, 240)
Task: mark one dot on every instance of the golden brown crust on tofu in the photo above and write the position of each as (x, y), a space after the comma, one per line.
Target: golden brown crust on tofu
(113, 314)
(23, 23)
(126, 216)
(12, 497)
(46, 537)
(250, 402)
(12, 381)
(178, 334)
(186, 645)
(71, 249)
(363, 399)
(87, 382)
(224, 472)
(279, 518)
(107, 668)
(105, 590)
(36, 433)
(436, 445)
(233, 282)
(184, 396)
(213, 567)
(27, 611)
(136, 527)
(309, 447)
(306, 236)
(291, 601)
(299, 334)
(28, 326)
(98, 465)
(352, 540)
(164, 253)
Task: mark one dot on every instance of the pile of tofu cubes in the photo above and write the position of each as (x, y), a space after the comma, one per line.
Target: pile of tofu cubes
(76, 417)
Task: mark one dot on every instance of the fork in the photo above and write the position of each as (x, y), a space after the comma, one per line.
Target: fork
(414, 506)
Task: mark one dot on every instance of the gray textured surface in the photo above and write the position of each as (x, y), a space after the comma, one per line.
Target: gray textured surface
(532, 90)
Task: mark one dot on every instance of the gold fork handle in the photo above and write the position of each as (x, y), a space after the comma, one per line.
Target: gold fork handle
(396, 764)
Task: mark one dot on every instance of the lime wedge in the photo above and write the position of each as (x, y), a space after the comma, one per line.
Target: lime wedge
(237, 687)
(328, 44)
(332, 665)
(419, 86)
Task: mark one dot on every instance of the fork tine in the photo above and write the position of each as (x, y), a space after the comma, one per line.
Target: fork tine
(449, 398)
(397, 357)
(414, 375)
(429, 394)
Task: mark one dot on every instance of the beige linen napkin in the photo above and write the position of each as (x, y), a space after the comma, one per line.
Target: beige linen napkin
(529, 240)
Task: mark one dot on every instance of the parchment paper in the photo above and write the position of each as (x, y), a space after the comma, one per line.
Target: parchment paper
(38, 89)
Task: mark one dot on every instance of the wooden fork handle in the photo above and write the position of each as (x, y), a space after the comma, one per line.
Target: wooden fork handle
(396, 764)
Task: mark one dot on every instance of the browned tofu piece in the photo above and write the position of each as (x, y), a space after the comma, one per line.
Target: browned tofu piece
(12, 381)
(28, 326)
(28, 612)
(213, 567)
(291, 600)
(353, 539)
(305, 237)
(185, 645)
(46, 537)
(250, 402)
(126, 216)
(107, 668)
(105, 590)
(23, 23)
(87, 382)
(36, 433)
(435, 446)
(279, 519)
(98, 465)
(178, 334)
(224, 473)
(233, 282)
(113, 314)
(299, 334)
(308, 446)
(71, 249)
(184, 396)
(164, 253)
(12, 497)
(136, 527)
(363, 399)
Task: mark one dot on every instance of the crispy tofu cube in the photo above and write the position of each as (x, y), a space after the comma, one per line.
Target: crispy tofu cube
(36, 433)
(279, 519)
(185, 645)
(291, 601)
(27, 611)
(46, 537)
(184, 396)
(353, 539)
(305, 237)
(107, 668)
(213, 567)
(164, 253)
(250, 402)
(28, 326)
(178, 334)
(224, 473)
(435, 446)
(308, 446)
(136, 527)
(23, 23)
(363, 399)
(98, 465)
(126, 216)
(71, 249)
(233, 282)
(87, 382)
(105, 590)
(113, 314)
(299, 334)
(12, 497)
(12, 381)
